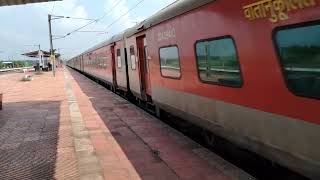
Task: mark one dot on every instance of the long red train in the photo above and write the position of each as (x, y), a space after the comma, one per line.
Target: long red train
(247, 70)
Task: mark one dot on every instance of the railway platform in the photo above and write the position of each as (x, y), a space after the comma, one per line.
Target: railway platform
(69, 127)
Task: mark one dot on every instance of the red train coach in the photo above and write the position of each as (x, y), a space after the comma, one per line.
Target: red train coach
(98, 63)
(103, 63)
(247, 70)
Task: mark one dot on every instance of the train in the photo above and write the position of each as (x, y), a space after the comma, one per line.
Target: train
(245, 70)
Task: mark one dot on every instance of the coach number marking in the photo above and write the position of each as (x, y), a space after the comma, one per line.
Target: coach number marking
(168, 34)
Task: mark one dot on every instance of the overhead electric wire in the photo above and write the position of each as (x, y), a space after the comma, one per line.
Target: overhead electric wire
(108, 12)
(93, 31)
(93, 21)
(54, 5)
(111, 9)
(81, 27)
(58, 38)
(96, 20)
(87, 19)
(125, 13)
(68, 17)
(68, 34)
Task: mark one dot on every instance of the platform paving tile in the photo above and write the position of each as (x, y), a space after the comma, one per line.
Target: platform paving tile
(36, 140)
(68, 127)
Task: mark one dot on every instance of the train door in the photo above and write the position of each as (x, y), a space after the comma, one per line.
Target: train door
(143, 66)
(114, 71)
(81, 63)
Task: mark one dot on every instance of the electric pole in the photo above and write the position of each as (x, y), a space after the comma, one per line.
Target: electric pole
(51, 47)
(40, 57)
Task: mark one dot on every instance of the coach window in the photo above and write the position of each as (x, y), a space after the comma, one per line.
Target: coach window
(96, 61)
(100, 60)
(119, 58)
(132, 58)
(299, 51)
(218, 63)
(169, 62)
(105, 61)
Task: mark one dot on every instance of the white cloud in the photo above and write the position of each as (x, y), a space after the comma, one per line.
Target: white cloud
(140, 13)
(118, 11)
(72, 8)
(24, 25)
(66, 7)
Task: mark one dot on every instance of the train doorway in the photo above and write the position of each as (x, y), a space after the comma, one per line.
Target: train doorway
(81, 63)
(144, 67)
(114, 71)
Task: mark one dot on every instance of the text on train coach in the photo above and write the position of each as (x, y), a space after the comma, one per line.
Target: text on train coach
(276, 10)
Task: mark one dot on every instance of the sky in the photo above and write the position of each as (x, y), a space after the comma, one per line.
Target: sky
(24, 26)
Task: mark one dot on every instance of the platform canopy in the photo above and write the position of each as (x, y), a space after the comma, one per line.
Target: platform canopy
(7, 62)
(35, 54)
(18, 2)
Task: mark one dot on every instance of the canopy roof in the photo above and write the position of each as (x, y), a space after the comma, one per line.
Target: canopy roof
(35, 54)
(18, 2)
(6, 62)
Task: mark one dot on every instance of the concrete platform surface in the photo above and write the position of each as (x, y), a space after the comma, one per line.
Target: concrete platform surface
(68, 127)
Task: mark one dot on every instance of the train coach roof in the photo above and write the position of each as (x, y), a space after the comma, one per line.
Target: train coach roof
(117, 37)
(111, 40)
(135, 29)
(177, 8)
